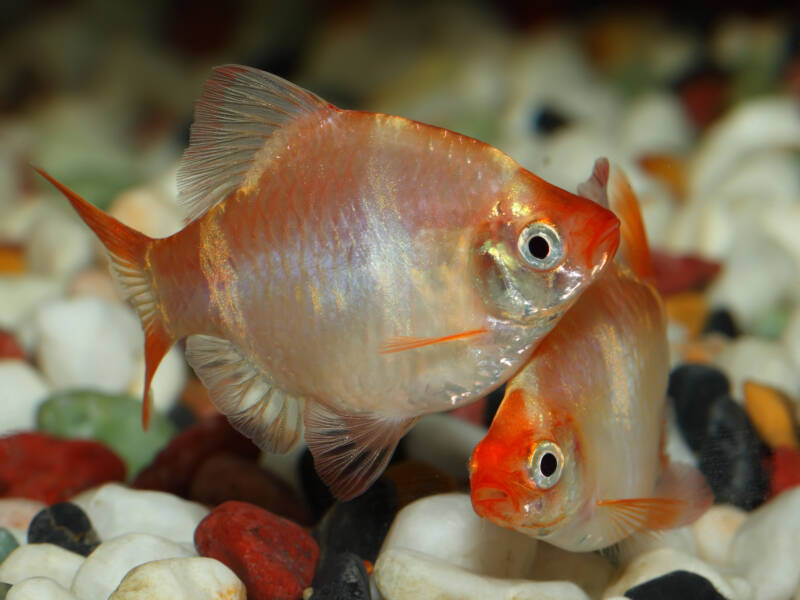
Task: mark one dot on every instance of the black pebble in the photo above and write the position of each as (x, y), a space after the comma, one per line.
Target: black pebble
(493, 401)
(340, 577)
(181, 416)
(318, 496)
(732, 456)
(721, 321)
(693, 388)
(546, 120)
(677, 585)
(359, 525)
(65, 525)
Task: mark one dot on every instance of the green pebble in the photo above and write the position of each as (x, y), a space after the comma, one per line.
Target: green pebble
(114, 420)
(4, 587)
(7, 543)
(771, 323)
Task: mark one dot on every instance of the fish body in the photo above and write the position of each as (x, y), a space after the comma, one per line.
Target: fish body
(349, 270)
(574, 455)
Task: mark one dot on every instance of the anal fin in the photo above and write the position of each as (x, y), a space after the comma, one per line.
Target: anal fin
(351, 451)
(243, 393)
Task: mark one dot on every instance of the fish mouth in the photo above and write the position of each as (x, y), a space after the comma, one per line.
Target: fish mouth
(492, 502)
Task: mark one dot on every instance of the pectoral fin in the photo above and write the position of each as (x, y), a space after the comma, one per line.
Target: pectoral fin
(400, 344)
(681, 496)
(351, 451)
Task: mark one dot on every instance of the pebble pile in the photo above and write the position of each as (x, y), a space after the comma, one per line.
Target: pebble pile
(94, 508)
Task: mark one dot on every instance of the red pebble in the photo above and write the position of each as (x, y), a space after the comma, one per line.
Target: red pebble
(274, 557)
(9, 347)
(50, 469)
(175, 466)
(785, 469)
(674, 274)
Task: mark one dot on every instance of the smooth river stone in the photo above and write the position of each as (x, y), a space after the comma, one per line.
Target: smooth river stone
(21, 392)
(115, 510)
(104, 569)
(41, 560)
(195, 578)
(39, 588)
(64, 524)
(114, 420)
(409, 575)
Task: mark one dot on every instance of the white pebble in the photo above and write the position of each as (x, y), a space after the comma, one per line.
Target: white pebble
(141, 209)
(408, 575)
(88, 342)
(445, 526)
(759, 360)
(115, 510)
(22, 389)
(93, 281)
(752, 126)
(58, 246)
(664, 560)
(654, 122)
(17, 513)
(444, 442)
(41, 560)
(20, 296)
(714, 532)
(39, 588)
(764, 549)
(195, 578)
(104, 568)
(588, 570)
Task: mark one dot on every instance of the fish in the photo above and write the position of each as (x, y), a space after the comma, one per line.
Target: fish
(575, 454)
(341, 272)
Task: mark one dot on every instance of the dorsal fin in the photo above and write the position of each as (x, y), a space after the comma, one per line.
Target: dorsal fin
(634, 249)
(237, 112)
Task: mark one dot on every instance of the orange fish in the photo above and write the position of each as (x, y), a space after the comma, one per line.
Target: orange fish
(349, 271)
(575, 453)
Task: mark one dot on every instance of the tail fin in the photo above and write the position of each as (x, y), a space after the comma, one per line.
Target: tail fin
(128, 251)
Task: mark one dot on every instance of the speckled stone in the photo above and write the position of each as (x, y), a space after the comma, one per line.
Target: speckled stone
(194, 578)
(114, 420)
(693, 388)
(731, 456)
(677, 584)
(66, 525)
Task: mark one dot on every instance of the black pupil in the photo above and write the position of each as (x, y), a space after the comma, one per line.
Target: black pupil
(548, 465)
(539, 247)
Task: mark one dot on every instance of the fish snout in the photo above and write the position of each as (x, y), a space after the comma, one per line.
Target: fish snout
(604, 245)
(491, 500)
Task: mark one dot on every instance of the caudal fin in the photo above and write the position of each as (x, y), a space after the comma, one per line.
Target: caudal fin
(128, 250)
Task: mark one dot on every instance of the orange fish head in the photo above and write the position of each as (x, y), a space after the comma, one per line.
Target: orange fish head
(524, 474)
(540, 248)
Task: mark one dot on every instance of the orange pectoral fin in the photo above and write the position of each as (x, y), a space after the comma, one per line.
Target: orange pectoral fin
(682, 496)
(401, 344)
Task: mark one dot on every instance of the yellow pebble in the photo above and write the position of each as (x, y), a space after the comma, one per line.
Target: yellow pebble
(689, 309)
(12, 260)
(770, 412)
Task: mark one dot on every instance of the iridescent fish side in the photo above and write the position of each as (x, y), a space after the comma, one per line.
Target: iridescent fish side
(349, 271)
(574, 455)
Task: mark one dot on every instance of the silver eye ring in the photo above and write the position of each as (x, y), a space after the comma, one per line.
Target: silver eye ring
(540, 245)
(546, 464)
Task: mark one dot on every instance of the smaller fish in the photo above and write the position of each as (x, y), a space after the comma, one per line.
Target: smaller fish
(575, 453)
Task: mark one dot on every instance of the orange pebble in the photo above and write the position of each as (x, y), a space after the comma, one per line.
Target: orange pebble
(670, 169)
(770, 412)
(690, 309)
(368, 566)
(12, 260)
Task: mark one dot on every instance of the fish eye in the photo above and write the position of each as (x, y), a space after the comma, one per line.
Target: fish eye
(540, 245)
(546, 464)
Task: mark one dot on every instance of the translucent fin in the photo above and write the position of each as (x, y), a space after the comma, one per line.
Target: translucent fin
(594, 188)
(400, 344)
(127, 249)
(238, 110)
(681, 497)
(243, 393)
(351, 451)
(634, 248)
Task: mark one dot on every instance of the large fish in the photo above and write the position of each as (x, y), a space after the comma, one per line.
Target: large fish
(349, 270)
(574, 455)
